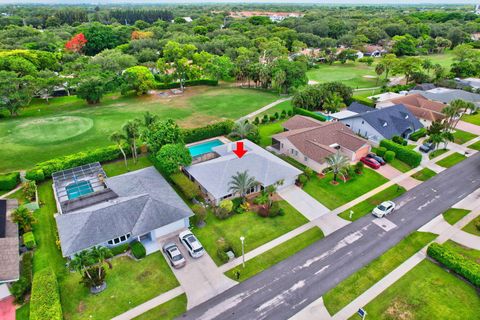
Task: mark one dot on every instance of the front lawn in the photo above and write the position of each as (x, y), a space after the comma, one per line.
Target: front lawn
(275, 255)
(116, 168)
(129, 284)
(471, 227)
(166, 311)
(19, 196)
(256, 230)
(266, 132)
(333, 196)
(436, 153)
(426, 292)
(453, 215)
(460, 137)
(353, 286)
(400, 165)
(472, 118)
(468, 253)
(366, 206)
(475, 146)
(424, 174)
(23, 313)
(451, 160)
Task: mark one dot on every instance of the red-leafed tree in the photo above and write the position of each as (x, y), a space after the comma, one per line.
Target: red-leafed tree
(77, 43)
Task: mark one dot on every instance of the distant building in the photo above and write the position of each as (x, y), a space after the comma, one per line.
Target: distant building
(477, 9)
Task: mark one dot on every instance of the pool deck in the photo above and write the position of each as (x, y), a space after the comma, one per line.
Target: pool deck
(221, 138)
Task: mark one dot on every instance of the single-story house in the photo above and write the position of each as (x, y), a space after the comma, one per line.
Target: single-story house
(379, 124)
(446, 95)
(214, 176)
(309, 141)
(9, 247)
(423, 108)
(95, 210)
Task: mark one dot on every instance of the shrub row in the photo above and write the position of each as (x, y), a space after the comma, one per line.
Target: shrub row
(455, 262)
(188, 187)
(29, 240)
(399, 140)
(209, 131)
(410, 157)
(21, 287)
(122, 248)
(45, 299)
(418, 134)
(188, 83)
(45, 169)
(138, 250)
(308, 113)
(9, 181)
(364, 101)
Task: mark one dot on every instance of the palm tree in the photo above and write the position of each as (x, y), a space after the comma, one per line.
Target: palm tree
(241, 183)
(437, 138)
(338, 164)
(427, 65)
(100, 255)
(24, 218)
(333, 103)
(242, 129)
(80, 263)
(149, 119)
(132, 132)
(119, 139)
(447, 137)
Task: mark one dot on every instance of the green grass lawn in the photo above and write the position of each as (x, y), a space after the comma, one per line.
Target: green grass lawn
(400, 165)
(424, 174)
(451, 160)
(350, 288)
(366, 206)
(68, 125)
(285, 105)
(468, 253)
(118, 167)
(23, 313)
(453, 215)
(356, 75)
(19, 196)
(475, 146)
(472, 118)
(256, 230)
(436, 153)
(426, 292)
(460, 137)
(333, 196)
(266, 132)
(275, 255)
(168, 310)
(471, 228)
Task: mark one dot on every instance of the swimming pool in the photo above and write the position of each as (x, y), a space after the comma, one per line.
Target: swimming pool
(78, 189)
(327, 117)
(205, 147)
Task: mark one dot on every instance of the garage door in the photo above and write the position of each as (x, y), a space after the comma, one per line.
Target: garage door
(172, 227)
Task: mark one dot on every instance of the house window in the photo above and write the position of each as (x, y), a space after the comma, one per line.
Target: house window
(363, 122)
(305, 158)
(347, 125)
(118, 240)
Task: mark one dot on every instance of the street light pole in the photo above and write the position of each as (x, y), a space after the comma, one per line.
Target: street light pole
(242, 239)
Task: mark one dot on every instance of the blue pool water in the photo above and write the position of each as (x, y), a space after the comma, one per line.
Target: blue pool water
(78, 189)
(205, 147)
(327, 117)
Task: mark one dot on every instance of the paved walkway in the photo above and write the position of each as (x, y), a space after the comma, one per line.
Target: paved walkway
(5, 195)
(150, 304)
(268, 106)
(303, 202)
(390, 173)
(470, 127)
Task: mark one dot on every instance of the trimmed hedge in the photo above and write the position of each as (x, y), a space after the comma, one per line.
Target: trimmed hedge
(188, 187)
(45, 169)
(418, 134)
(364, 101)
(188, 83)
(455, 262)
(9, 181)
(29, 240)
(138, 250)
(410, 157)
(389, 156)
(381, 151)
(122, 248)
(45, 299)
(207, 132)
(308, 113)
(21, 287)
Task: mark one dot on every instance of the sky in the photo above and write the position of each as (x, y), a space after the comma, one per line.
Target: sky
(353, 2)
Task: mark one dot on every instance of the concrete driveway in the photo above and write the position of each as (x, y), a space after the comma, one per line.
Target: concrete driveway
(303, 202)
(391, 173)
(200, 278)
(469, 127)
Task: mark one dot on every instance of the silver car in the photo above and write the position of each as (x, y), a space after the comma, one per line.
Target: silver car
(191, 243)
(174, 255)
(383, 209)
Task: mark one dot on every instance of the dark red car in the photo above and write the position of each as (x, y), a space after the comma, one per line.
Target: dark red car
(372, 163)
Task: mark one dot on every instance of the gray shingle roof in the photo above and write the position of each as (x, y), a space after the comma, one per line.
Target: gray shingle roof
(261, 164)
(391, 121)
(9, 246)
(448, 95)
(145, 202)
(359, 108)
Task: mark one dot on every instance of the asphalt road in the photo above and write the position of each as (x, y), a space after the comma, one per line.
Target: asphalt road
(284, 289)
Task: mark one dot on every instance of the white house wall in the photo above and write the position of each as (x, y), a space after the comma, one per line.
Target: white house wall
(172, 227)
(364, 129)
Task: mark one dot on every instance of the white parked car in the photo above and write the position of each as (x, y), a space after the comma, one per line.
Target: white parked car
(174, 255)
(191, 243)
(383, 209)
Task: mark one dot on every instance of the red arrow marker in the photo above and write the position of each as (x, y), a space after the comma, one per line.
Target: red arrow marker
(240, 151)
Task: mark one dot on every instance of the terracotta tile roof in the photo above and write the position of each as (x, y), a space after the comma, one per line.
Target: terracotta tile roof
(315, 142)
(300, 122)
(421, 107)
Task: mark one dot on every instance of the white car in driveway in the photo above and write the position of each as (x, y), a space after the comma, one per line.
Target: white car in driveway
(383, 209)
(174, 255)
(191, 243)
